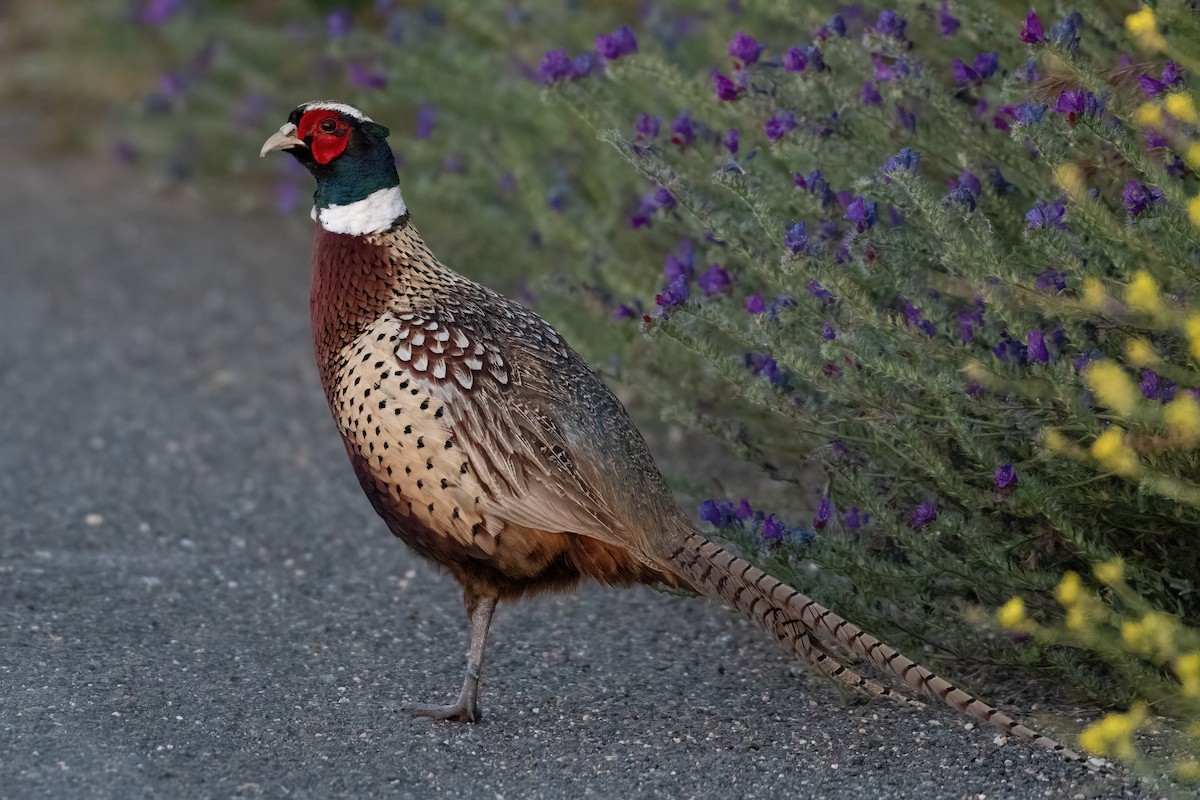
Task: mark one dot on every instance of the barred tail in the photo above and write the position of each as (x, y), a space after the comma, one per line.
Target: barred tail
(808, 629)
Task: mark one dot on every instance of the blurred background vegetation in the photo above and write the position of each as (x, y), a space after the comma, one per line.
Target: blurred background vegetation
(928, 269)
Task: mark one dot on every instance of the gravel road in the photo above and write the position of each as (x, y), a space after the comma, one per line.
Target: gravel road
(197, 601)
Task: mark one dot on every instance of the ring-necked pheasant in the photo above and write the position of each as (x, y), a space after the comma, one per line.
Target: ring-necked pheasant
(489, 446)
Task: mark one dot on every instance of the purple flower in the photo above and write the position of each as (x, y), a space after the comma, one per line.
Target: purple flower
(582, 66)
(986, 64)
(1065, 32)
(794, 59)
(124, 152)
(869, 96)
(862, 213)
(339, 22)
(819, 187)
(906, 119)
(625, 311)
(556, 66)
(968, 320)
(823, 295)
(1036, 348)
(641, 218)
(890, 24)
(1070, 101)
(962, 195)
(907, 161)
(1170, 74)
(664, 198)
(1051, 281)
(828, 333)
(358, 74)
(682, 262)
(1006, 476)
(852, 520)
(714, 280)
(815, 59)
(824, 513)
(836, 26)
(764, 366)
(947, 23)
(730, 140)
(778, 125)
(796, 237)
(724, 87)
(999, 184)
(674, 294)
(883, 70)
(755, 304)
(1028, 72)
(159, 12)
(1030, 114)
(1032, 31)
(426, 120)
(963, 73)
(718, 513)
(1138, 197)
(1046, 216)
(646, 127)
(744, 49)
(773, 529)
(1152, 87)
(923, 514)
(743, 510)
(612, 46)
(683, 131)
(1155, 387)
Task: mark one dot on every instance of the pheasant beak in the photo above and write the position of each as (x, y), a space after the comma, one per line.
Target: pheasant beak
(283, 139)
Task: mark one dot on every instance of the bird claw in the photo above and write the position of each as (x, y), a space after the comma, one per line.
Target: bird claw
(461, 711)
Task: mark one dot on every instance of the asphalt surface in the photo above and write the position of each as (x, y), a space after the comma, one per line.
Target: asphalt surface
(197, 601)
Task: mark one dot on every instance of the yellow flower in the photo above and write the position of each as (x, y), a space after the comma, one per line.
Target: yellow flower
(1141, 22)
(1075, 620)
(1187, 668)
(1113, 735)
(1194, 210)
(1140, 353)
(1070, 178)
(1113, 387)
(1144, 28)
(1012, 614)
(1183, 416)
(1187, 771)
(1113, 454)
(1094, 296)
(1149, 115)
(1142, 293)
(1111, 571)
(1055, 441)
(1069, 589)
(1192, 155)
(1180, 106)
(1192, 329)
(1152, 637)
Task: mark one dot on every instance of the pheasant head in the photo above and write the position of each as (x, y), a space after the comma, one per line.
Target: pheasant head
(358, 190)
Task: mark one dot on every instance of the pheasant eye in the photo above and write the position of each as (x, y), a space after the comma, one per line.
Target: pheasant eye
(328, 125)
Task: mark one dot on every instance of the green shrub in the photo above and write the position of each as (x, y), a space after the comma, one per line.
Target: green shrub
(942, 260)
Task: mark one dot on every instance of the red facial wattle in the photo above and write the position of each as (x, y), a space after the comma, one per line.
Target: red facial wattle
(326, 133)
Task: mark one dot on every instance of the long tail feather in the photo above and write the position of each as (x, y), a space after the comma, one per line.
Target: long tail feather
(795, 620)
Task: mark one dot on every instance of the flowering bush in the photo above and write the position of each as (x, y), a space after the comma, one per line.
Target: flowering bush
(944, 254)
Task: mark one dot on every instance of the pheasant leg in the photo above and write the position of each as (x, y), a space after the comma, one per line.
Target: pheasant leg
(466, 708)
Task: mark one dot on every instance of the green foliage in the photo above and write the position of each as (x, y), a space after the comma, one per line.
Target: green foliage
(931, 357)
